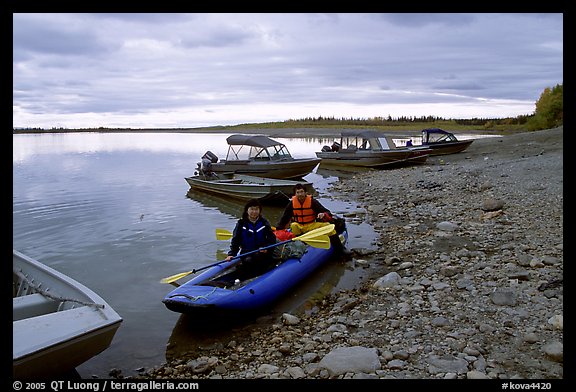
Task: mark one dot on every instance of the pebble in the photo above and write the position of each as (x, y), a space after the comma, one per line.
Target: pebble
(468, 282)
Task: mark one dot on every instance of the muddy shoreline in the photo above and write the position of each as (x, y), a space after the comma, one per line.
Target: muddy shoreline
(467, 281)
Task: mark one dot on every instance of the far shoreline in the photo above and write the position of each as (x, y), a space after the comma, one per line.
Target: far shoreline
(272, 132)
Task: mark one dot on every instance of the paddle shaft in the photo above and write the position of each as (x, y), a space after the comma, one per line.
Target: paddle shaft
(304, 237)
(307, 237)
(241, 255)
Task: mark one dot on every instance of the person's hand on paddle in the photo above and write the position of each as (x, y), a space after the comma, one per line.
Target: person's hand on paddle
(229, 258)
(317, 238)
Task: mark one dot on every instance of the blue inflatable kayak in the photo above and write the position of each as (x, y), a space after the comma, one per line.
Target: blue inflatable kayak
(217, 289)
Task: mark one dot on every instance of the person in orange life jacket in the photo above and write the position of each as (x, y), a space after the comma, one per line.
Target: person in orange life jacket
(306, 214)
(252, 232)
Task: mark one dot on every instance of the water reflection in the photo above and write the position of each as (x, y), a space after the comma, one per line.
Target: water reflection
(342, 171)
(27, 145)
(191, 335)
(233, 207)
(112, 211)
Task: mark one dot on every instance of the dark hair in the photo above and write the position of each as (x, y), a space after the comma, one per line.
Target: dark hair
(251, 203)
(299, 186)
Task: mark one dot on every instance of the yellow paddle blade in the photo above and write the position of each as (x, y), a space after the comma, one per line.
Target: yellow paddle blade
(322, 242)
(174, 278)
(315, 233)
(223, 234)
(317, 238)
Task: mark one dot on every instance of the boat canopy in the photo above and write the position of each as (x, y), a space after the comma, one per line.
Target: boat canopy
(252, 140)
(259, 148)
(366, 134)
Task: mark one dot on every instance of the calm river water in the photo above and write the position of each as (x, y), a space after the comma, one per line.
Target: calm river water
(113, 212)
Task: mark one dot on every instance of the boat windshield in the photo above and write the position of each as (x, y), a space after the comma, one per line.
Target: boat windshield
(434, 137)
(366, 143)
(279, 152)
(376, 144)
(244, 152)
(385, 144)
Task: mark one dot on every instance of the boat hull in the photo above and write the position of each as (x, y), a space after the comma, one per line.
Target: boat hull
(62, 358)
(58, 323)
(370, 149)
(443, 142)
(374, 159)
(449, 147)
(244, 187)
(288, 169)
(418, 155)
(251, 297)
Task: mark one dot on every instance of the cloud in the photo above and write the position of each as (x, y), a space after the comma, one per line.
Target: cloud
(186, 70)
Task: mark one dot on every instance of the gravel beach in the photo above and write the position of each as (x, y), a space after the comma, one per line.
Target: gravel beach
(465, 282)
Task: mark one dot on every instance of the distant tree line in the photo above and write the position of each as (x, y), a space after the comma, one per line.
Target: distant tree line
(549, 113)
(408, 120)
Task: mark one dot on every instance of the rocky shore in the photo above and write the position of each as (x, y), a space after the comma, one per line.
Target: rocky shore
(466, 281)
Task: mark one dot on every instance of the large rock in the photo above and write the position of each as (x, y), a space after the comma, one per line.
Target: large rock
(354, 359)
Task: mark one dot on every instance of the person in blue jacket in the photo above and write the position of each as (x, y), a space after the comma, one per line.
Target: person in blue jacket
(252, 232)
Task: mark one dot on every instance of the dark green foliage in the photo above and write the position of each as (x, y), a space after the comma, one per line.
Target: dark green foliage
(549, 109)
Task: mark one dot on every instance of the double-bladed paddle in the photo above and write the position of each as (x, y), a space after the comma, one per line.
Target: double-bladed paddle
(317, 238)
(223, 234)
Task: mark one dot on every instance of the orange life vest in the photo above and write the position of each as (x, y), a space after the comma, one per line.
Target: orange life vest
(303, 213)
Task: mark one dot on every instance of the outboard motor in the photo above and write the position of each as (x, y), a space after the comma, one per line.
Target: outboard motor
(326, 149)
(209, 155)
(336, 146)
(205, 166)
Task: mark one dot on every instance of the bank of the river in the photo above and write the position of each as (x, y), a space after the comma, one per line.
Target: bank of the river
(467, 282)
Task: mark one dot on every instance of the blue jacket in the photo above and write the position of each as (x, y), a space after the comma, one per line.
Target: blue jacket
(248, 236)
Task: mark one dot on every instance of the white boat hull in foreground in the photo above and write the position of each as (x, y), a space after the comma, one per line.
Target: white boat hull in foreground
(58, 323)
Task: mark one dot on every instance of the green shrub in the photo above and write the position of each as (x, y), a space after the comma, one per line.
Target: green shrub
(549, 109)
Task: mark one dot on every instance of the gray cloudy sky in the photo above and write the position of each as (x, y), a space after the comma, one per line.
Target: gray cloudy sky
(191, 70)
